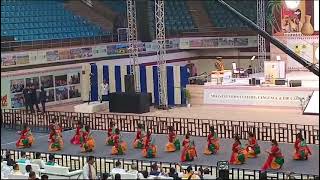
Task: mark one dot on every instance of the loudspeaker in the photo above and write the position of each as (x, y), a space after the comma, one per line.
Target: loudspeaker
(223, 174)
(129, 83)
(252, 81)
(295, 83)
(257, 81)
(280, 82)
(144, 33)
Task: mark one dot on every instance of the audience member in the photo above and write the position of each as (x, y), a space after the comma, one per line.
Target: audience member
(174, 174)
(145, 174)
(10, 162)
(51, 161)
(23, 158)
(16, 170)
(200, 173)
(118, 168)
(206, 174)
(89, 171)
(104, 176)
(117, 177)
(134, 170)
(5, 170)
(38, 160)
(155, 170)
(32, 175)
(190, 174)
(28, 169)
(44, 177)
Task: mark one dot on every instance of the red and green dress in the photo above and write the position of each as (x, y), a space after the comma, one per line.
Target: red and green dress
(109, 139)
(213, 145)
(149, 148)
(253, 149)
(189, 151)
(76, 138)
(56, 142)
(26, 139)
(87, 142)
(173, 144)
(119, 147)
(238, 155)
(302, 151)
(138, 140)
(275, 159)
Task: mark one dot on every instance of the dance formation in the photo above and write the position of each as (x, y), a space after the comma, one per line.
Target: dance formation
(144, 141)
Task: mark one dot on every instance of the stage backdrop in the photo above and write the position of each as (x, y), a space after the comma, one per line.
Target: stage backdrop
(177, 79)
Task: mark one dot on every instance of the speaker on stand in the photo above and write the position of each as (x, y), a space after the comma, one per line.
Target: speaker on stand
(129, 83)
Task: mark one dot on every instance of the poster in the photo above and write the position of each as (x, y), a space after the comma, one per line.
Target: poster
(8, 60)
(52, 55)
(46, 81)
(74, 78)
(5, 93)
(60, 80)
(33, 81)
(16, 85)
(292, 19)
(61, 93)
(21, 59)
(64, 54)
(75, 91)
(17, 100)
(75, 53)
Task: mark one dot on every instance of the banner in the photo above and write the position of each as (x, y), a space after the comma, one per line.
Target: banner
(5, 93)
(255, 96)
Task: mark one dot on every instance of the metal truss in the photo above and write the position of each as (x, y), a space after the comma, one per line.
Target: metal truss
(261, 21)
(161, 51)
(133, 44)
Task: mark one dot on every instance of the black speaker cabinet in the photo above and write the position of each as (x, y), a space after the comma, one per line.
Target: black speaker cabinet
(129, 83)
(280, 82)
(252, 81)
(295, 83)
(223, 174)
(258, 82)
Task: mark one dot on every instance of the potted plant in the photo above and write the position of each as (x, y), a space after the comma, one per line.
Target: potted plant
(187, 95)
(272, 15)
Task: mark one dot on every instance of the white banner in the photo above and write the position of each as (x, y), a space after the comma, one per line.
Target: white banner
(256, 97)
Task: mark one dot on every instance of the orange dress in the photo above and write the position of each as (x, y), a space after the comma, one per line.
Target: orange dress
(189, 151)
(26, 139)
(87, 142)
(253, 149)
(302, 151)
(173, 144)
(238, 155)
(275, 159)
(149, 148)
(56, 142)
(213, 145)
(119, 147)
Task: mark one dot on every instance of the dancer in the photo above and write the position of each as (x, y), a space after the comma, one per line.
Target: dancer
(149, 148)
(302, 151)
(213, 143)
(56, 141)
(76, 138)
(87, 143)
(120, 146)
(275, 159)
(253, 149)
(138, 141)
(54, 126)
(188, 152)
(26, 138)
(238, 155)
(111, 131)
(174, 143)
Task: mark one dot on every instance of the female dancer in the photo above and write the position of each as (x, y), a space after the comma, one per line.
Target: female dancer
(275, 159)
(174, 143)
(26, 138)
(119, 147)
(238, 155)
(188, 152)
(213, 143)
(253, 149)
(87, 142)
(76, 138)
(302, 151)
(149, 148)
(138, 141)
(111, 130)
(56, 141)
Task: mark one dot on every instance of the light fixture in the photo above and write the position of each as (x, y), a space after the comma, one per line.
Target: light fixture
(278, 58)
(317, 53)
(253, 57)
(292, 4)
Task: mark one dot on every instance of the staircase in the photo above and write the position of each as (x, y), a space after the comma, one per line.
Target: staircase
(95, 14)
(199, 15)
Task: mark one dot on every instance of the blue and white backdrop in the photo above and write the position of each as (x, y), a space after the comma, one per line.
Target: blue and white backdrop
(177, 79)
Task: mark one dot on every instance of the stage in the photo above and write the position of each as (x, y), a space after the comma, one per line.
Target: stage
(41, 145)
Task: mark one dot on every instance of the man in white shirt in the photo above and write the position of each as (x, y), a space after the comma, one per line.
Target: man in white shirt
(23, 158)
(5, 170)
(89, 171)
(117, 169)
(135, 171)
(16, 170)
(38, 160)
(104, 91)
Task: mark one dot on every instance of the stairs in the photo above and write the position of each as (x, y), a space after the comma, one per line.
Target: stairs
(199, 15)
(96, 14)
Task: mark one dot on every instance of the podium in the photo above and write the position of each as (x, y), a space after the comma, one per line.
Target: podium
(218, 77)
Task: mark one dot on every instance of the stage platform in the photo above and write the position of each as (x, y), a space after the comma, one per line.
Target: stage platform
(91, 107)
(304, 167)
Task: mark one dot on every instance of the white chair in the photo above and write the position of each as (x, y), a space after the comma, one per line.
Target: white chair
(60, 172)
(17, 177)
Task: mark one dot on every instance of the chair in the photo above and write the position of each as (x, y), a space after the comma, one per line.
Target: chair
(17, 177)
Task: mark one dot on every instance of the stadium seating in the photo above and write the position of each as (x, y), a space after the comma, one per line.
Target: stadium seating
(119, 6)
(220, 17)
(43, 20)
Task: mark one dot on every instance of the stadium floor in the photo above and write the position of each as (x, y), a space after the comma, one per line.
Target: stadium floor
(311, 166)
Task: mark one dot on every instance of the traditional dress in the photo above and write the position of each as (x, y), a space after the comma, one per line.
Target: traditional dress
(109, 139)
(76, 138)
(238, 155)
(87, 142)
(138, 140)
(189, 151)
(213, 144)
(173, 144)
(253, 149)
(119, 147)
(275, 159)
(302, 151)
(149, 148)
(26, 139)
(56, 142)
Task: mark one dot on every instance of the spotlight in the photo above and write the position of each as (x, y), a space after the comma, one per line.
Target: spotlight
(278, 58)
(253, 57)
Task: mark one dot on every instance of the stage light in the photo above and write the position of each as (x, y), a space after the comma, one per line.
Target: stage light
(317, 53)
(278, 58)
(292, 4)
(253, 57)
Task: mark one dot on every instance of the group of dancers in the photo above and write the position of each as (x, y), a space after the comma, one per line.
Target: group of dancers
(145, 142)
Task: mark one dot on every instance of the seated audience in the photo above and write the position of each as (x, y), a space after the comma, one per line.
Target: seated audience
(44, 177)
(28, 170)
(16, 170)
(117, 177)
(32, 175)
(5, 170)
(145, 174)
(38, 160)
(155, 170)
(23, 158)
(118, 168)
(174, 174)
(190, 174)
(206, 174)
(134, 170)
(51, 161)
(10, 162)
(89, 171)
